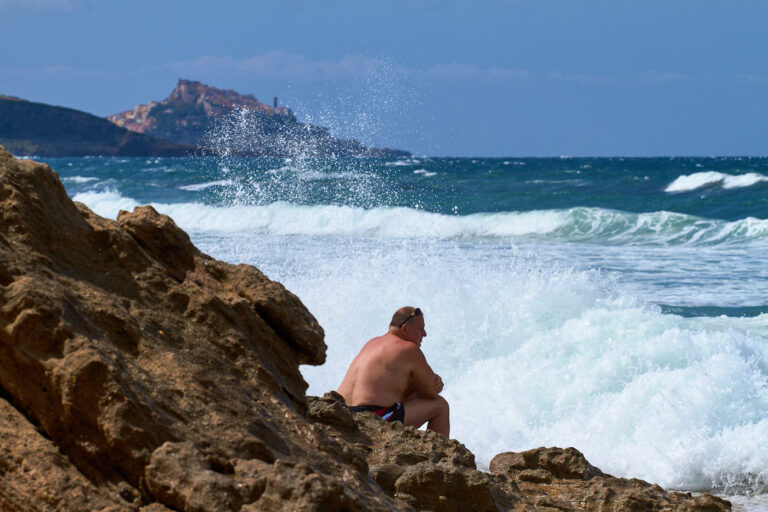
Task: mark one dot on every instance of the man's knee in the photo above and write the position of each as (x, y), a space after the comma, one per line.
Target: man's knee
(442, 404)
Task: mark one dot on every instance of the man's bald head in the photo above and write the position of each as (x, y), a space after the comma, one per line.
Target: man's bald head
(403, 315)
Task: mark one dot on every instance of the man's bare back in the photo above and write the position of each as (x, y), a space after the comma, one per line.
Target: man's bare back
(392, 369)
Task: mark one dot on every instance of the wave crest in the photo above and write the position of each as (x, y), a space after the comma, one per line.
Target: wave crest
(584, 225)
(697, 180)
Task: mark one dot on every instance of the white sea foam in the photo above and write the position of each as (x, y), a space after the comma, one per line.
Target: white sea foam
(79, 179)
(744, 180)
(202, 186)
(533, 350)
(589, 225)
(403, 162)
(537, 353)
(556, 182)
(425, 173)
(106, 203)
(311, 174)
(662, 398)
(689, 182)
(756, 503)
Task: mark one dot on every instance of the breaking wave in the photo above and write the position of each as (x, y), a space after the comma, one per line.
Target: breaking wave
(79, 179)
(585, 225)
(697, 180)
(539, 353)
(202, 186)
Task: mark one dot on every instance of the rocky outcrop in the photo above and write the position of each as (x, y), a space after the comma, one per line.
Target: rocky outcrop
(429, 472)
(562, 479)
(136, 120)
(226, 122)
(138, 374)
(29, 128)
(187, 113)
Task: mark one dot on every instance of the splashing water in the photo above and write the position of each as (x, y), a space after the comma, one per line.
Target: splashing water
(550, 326)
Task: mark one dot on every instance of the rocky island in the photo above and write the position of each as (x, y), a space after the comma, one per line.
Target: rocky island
(195, 119)
(29, 128)
(222, 120)
(139, 374)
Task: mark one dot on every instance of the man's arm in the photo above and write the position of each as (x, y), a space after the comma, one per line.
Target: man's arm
(426, 384)
(438, 383)
(412, 393)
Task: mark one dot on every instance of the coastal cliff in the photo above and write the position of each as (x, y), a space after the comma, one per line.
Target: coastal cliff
(193, 113)
(29, 128)
(137, 373)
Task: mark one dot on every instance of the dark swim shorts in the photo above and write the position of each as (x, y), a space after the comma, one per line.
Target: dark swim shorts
(394, 413)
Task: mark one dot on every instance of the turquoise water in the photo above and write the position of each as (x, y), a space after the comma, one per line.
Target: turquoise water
(714, 188)
(617, 305)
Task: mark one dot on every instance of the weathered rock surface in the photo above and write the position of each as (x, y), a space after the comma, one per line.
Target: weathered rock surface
(562, 479)
(429, 472)
(137, 373)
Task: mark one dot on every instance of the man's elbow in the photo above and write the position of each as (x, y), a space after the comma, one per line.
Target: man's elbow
(430, 394)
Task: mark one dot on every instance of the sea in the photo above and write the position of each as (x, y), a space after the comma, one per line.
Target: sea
(616, 305)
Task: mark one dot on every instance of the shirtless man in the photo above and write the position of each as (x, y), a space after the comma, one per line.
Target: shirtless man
(391, 378)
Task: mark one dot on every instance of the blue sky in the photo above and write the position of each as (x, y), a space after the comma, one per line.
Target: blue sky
(469, 78)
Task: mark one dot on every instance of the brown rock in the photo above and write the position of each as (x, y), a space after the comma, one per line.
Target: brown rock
(152, 376)
(447, 487)
(35, 476)
(419, 468)
(430, 472)
(557, 463)
(563, 479)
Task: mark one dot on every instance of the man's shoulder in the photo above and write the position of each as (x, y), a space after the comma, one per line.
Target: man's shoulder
(406, 349)
(395, 344)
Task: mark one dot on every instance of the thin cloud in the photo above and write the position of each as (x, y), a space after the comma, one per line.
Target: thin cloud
(648, 78)
(582, 78)
(61, 71)
(71, 71)
(752, 79)
(454, 70)
(469, 71)
(457, 70)
(663, 77)
(280, 64)
(285, 65)
(463, 71)
(40, 5)
(509, 73)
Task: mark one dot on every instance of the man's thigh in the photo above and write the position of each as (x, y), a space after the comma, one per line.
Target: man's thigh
(420, 410)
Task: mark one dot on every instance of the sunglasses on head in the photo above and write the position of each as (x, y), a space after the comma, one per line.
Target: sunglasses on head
(415, 312)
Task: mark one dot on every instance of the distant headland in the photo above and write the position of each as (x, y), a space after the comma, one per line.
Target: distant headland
(28, 128)
(194, 119)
